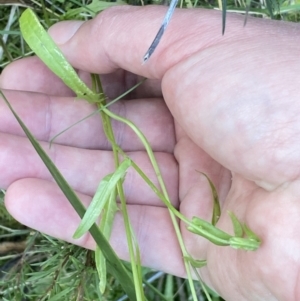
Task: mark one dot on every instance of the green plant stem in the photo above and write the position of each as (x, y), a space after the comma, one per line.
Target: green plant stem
(157, 191)
(128, 230)
(45, 13)
(202, 284)
(7, 53)
(134, 252)
(164, 191)
(100, 108)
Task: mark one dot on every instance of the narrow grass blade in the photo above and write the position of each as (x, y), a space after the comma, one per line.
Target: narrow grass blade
(60, 296)
(105, 227)
(250, 233)
(161, 30)
(195, 262)
(115, 266)
(99, 110)
(136, 260)
(203, 285)
(93, 8)
(224, 9)
(169, 287)
(210, 232)
(237, 226)
(105, 189)
(216, 207)
(96, 206)
(270, 6)
(244, 243)
(45, 48)
(101, 269)
(248, 3)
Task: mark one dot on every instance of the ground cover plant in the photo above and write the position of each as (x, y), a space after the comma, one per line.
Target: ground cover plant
(44, 269)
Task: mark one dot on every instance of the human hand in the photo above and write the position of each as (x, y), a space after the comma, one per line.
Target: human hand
(235, 106)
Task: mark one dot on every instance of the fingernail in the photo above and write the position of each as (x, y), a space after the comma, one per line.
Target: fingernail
(63, 31)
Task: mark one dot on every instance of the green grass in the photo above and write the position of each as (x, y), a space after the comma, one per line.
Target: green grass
(49, 269)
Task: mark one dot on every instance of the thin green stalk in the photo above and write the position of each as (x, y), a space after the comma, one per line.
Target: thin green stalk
(134, 252)
(202, 284)
(156, 291)
(46, 17)
(98, 110)
(7, 53)
(163, 188)
(156, 190)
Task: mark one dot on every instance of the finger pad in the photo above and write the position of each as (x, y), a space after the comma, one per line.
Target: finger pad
(31, 74)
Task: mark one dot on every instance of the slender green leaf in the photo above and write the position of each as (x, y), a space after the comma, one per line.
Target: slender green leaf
(287, 8)
(195, 262)
(247, 244)
(105, 189)
(250, 233)
(93, 8)
(106, 224)
(224, 9)
(248, 3)
(10, 32)
(216, 207)
(99, 110)
(101, 269)
(270, 7)
(41, 43)
(160, 296)
(169, 287)
(237, 226)
(210, 232)
(136, 264)
(116, 267)
(60, 296)
(96, 206)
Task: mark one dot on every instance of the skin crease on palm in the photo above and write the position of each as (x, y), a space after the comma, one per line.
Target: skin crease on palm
(230, 109)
